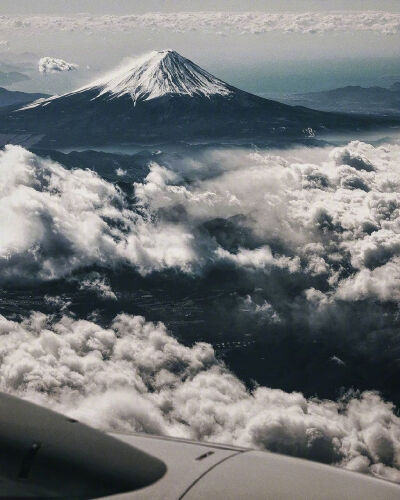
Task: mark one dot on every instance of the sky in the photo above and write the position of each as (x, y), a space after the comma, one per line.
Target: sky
(267, 47)
(141, 6)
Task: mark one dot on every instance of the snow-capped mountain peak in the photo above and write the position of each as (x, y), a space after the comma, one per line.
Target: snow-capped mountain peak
(153, 75)
(161, 73)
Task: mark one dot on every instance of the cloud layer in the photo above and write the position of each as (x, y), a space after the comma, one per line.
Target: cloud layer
(134, 376)
(298, 246)
(313, 236)
(334, 221)
(56, 221)
(53, 65)
(385, 23)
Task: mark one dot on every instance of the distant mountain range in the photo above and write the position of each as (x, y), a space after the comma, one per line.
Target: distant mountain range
(352, 99)
(165, 97)
(12, 97)
(10, 77)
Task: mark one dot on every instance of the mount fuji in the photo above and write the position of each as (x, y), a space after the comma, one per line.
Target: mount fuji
(163, 96)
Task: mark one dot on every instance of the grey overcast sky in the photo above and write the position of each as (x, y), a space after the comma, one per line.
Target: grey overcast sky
(141, 6)
(339, 42)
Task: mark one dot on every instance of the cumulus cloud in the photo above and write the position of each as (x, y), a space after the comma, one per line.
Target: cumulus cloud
(120, 172)
(336, 219)
(332, 224)
(311, 233)
(259, 258)
(134, 376)
(221, 23)
(295, 251)
(354, 156)
(57, 220)
(264, 311)
(53, 218)
(53, 65)
(99, 285)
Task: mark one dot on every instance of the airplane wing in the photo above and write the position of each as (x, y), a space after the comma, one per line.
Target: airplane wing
(48, 455)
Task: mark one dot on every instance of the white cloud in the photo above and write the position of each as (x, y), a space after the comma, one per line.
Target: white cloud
(120, 172)
(221, 23)
(381, 283)
(53, 65)
(259, 258)
(56, 221)
(99, 285)
(340, 213)
(264, 311)
(134, 376)
(282, 213)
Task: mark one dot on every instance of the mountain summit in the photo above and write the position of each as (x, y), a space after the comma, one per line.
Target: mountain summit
(157, 74)
(161, 73)
(163, 96)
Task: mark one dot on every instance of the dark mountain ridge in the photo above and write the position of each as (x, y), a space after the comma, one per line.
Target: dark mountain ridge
(352, 99)
(13, 97)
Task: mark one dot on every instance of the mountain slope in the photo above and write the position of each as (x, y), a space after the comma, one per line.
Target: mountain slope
(163, 97)
(11, 97)
(352, 99)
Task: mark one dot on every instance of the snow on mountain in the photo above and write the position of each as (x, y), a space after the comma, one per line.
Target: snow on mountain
(153, 75)
(160, 73)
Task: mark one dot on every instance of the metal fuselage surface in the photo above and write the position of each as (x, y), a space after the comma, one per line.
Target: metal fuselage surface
(48, 455)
